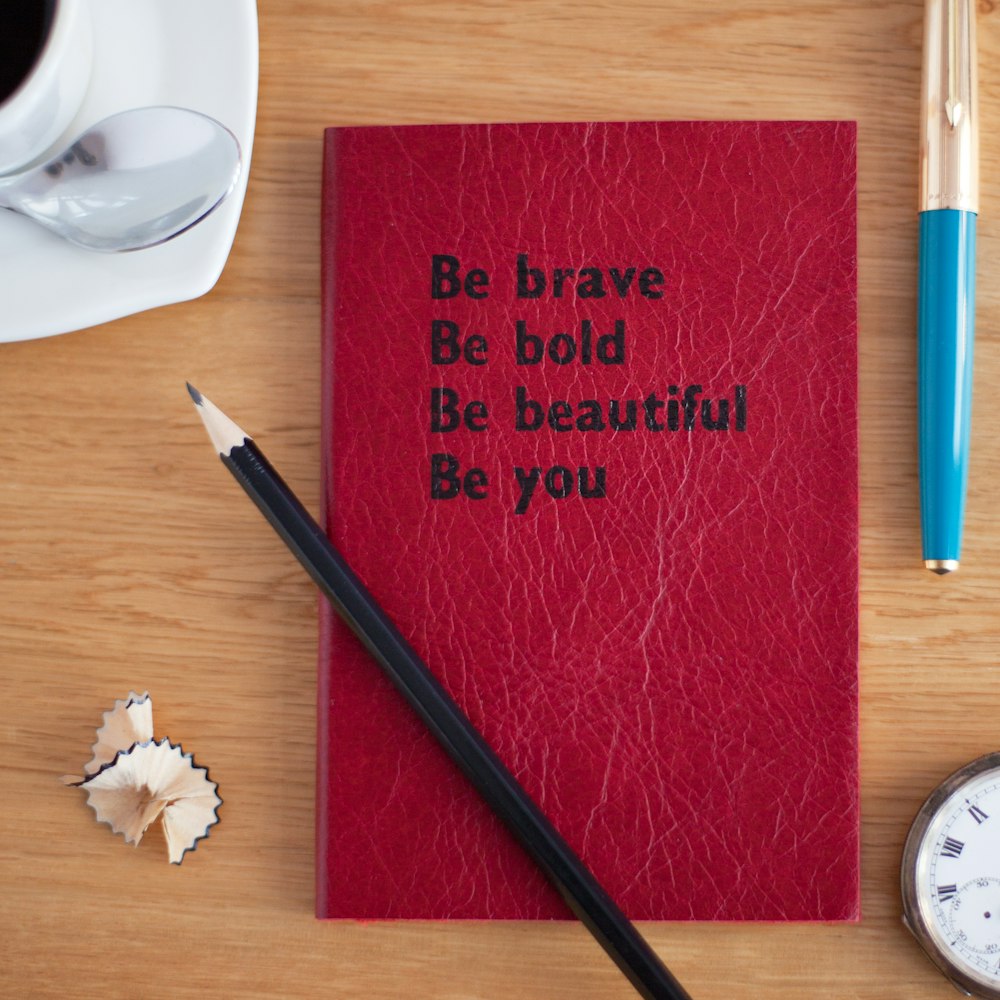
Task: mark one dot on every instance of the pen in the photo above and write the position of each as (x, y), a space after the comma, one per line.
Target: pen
(448, 724)
(949, 203)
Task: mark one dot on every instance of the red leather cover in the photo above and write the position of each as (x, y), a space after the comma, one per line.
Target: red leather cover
(670, 669)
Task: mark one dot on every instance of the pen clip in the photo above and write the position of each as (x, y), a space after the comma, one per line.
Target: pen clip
(953, 103)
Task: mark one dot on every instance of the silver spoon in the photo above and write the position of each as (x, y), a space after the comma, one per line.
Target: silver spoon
(132, 181)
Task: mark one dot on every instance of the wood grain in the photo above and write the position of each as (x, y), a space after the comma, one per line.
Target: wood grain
(118, 567)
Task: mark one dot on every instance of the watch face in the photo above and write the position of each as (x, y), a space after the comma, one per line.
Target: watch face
(951, 877)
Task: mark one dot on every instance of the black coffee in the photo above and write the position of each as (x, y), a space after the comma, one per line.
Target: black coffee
(24, 27)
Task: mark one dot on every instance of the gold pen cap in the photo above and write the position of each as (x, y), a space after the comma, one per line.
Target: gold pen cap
(949, 147)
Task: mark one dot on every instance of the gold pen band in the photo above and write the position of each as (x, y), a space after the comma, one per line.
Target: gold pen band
(949, 147)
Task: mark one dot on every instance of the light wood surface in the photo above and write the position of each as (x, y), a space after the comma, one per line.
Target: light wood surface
(128, 559)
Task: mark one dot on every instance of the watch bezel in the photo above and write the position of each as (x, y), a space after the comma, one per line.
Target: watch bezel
(913, 915)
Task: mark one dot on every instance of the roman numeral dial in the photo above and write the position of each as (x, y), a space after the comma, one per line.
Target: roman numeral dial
(952, 848)
(951, 877)
(978, 815)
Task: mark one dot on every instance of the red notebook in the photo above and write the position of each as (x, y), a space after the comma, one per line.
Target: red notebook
(590, 439)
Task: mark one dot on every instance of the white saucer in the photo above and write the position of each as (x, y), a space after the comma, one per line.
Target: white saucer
(199, 54)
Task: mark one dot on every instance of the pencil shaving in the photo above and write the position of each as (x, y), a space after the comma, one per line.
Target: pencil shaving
(133, 780)
(128, 723)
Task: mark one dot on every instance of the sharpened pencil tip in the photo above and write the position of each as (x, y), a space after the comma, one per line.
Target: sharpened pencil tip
(225, 434)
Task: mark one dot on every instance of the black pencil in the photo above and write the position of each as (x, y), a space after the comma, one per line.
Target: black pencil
(425, 694)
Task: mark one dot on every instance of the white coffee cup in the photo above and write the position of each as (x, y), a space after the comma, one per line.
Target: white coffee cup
(48, 97)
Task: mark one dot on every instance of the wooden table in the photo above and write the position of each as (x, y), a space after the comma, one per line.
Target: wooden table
(118, 568)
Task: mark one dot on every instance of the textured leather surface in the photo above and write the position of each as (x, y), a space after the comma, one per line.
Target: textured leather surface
(671, 671)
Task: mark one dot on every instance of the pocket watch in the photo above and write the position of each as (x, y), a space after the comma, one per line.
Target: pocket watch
(951, 878)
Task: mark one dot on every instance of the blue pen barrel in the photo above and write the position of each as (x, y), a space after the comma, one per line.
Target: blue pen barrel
(945, 326)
